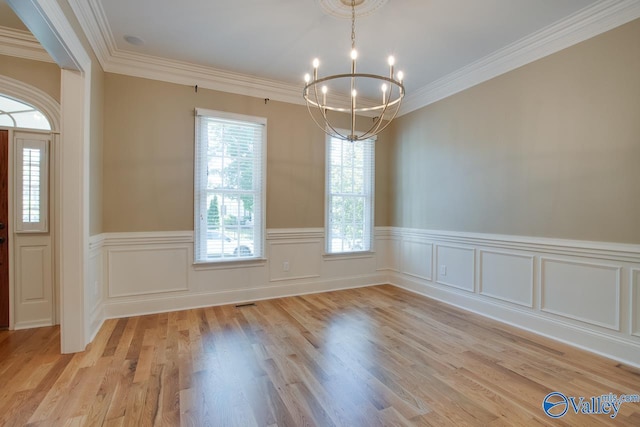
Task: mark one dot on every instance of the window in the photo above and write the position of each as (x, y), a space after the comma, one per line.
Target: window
(18, 114)
(32, 165)
(349, 195)
(229, 186)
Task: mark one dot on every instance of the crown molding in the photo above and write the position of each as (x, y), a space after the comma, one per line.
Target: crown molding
(601, 16)
(93, 21)
(22, 44)
(152, 67)
(596, 19)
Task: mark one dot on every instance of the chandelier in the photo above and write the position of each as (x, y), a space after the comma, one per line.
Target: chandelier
(338, 93)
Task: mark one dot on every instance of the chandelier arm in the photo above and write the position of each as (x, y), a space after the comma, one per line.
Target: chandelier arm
(317, 82)
(323, 111)
(328, 124)
(344, 75)
(388, 121)
(375, 128)
(324, 128)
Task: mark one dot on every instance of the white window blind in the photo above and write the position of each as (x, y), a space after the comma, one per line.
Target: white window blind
(32, 184)
(350, 169)
(229, 186)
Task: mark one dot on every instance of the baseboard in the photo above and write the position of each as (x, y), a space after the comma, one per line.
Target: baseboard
(97, 320)
(150, 304)
(32, 324)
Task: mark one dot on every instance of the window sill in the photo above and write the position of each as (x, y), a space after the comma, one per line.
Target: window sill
(348, 255)
(227, 264)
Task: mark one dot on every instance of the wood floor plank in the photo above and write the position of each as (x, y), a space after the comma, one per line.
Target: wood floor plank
(376, 356)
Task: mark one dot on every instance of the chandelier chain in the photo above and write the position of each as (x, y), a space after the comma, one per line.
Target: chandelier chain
(353, 24)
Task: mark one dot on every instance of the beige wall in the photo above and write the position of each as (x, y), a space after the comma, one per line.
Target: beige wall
(148, 157)
(551, 149)
(43, 75)
(95, 151)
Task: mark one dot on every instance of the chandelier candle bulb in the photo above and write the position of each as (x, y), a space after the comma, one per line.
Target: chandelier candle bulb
(400, 76)
(391, 61)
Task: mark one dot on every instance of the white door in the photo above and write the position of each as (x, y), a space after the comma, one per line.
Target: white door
(33, 296)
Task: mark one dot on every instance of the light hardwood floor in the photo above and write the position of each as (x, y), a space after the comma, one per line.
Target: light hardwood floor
(363, 357)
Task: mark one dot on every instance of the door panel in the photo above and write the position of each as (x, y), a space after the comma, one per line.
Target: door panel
(32, 256)
(4, 228)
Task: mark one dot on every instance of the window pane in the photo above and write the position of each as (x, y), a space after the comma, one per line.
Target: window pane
(11, 105)
(19, 114)
(5, 120)
(32, 120)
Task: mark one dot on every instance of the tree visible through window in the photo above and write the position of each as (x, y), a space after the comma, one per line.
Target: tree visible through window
(349, 187)
(229, 186)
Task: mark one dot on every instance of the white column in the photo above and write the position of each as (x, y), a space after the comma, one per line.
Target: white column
(73, 219)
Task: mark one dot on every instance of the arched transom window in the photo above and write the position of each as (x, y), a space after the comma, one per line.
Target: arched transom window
(17, 114)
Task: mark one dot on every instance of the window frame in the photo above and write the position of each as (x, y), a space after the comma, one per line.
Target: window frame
(369, 210)
(201, 232)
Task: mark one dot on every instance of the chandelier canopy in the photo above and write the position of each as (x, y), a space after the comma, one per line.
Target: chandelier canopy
(338, 93)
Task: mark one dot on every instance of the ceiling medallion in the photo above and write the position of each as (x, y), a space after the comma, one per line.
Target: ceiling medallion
(342, 8)
(338, 93)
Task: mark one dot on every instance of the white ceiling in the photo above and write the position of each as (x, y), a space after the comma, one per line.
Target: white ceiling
(278, 39)
(264, 44)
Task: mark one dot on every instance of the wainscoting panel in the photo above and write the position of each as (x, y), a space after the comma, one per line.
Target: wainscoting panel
(635, 302)
(417, 258)
(290, 260)
(455, 266)
(34, 291)
(147, 270)
(387, 253)
(507, 277)
(588, 292)
(348, 265)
